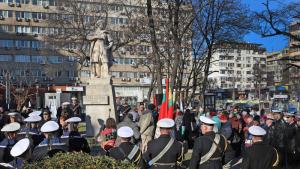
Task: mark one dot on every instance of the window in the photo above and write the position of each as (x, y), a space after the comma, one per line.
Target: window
(6, 14)
(55, 59)
(6, 43)
(36, 72)
(23, 29)
(52, 2)
(23, 1)
(6, 28)
(115, 74)
(5, 58)
(248, 65)
(22, 58)
(23, 44)
(38, 59)
(70, 73)
(6, 1)
(39, 15)
(239, 65)
(248, 72)
(222, 71)
(40, 2)
(23, 14)
(230, 64)
(36, 44)
(58, 73)
(117, 21)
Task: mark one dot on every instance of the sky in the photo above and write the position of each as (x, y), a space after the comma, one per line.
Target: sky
(272, 44)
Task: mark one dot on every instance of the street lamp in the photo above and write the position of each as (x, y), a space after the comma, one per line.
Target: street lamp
(7, 89)
(37, 105)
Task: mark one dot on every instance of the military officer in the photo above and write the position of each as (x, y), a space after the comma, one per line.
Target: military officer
(260, 155)
(51, 144)
(208, 149)
(21, 151)
(75, 107)
(126, 151)
(32, 129)
(278, 140)
(164, 152)
(73, 138)
(6, 144)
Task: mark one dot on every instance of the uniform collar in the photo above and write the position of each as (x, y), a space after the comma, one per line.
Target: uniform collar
(210, 133)
(165, 136)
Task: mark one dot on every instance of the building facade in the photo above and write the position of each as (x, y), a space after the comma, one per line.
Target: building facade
(238, 66)
(26, 55)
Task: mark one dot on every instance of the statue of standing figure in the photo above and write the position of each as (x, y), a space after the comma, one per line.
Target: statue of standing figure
(100, 51)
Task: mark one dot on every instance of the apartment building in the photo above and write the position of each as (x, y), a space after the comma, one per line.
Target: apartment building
(26, 54)
(276, 68)
(238, 65)
(293, 56)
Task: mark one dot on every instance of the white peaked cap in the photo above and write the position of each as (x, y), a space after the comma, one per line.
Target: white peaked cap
(166, 123)
(20, 147)
(74, 98)
(13, 114)
(33, 119)
(73, 120)
(125, 132)
(35, 113)
(207, 120)
(49, 126)
(257, 131)
(65, 103)
(6, 165)
(11, 127)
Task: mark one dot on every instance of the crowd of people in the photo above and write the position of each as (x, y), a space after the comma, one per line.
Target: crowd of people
(233, 138)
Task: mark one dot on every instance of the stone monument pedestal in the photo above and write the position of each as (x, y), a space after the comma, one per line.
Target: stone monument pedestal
(99, 103)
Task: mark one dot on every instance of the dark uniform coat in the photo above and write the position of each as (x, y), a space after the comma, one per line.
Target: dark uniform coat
(76, 143)
(260, 156)
(76, 110)
(173, 155)
(126, 147)
(5, 147)
(202, 146)
(44, 150)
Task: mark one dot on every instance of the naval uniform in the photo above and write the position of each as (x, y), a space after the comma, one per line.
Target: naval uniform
(122, 152)
(33, 133)
(5, 147)
(169, 160)
(260, 156)
(75, 142)
(202, 146)
(44, 149)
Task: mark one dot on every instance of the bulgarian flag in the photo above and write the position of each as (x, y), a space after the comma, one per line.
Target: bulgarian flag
(167, 108)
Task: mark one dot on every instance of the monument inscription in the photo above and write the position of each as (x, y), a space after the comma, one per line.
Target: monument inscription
(96, 100)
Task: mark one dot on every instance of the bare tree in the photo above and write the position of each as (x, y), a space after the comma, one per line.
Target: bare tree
(276, 21)
(75, 19)
(217, 20)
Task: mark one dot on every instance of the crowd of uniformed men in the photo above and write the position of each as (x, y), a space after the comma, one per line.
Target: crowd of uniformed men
(224, 139)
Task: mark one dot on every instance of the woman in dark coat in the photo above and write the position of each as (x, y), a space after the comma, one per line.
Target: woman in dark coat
(189, 124)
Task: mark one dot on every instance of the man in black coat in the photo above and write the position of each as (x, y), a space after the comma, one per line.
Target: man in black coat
(164, 152)
(290, 140)
(208, 149)
(297, 141)
(259, 155)
(126, 151)
(278, 136)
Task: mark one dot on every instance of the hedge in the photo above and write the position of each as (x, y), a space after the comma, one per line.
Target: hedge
(79, 161)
